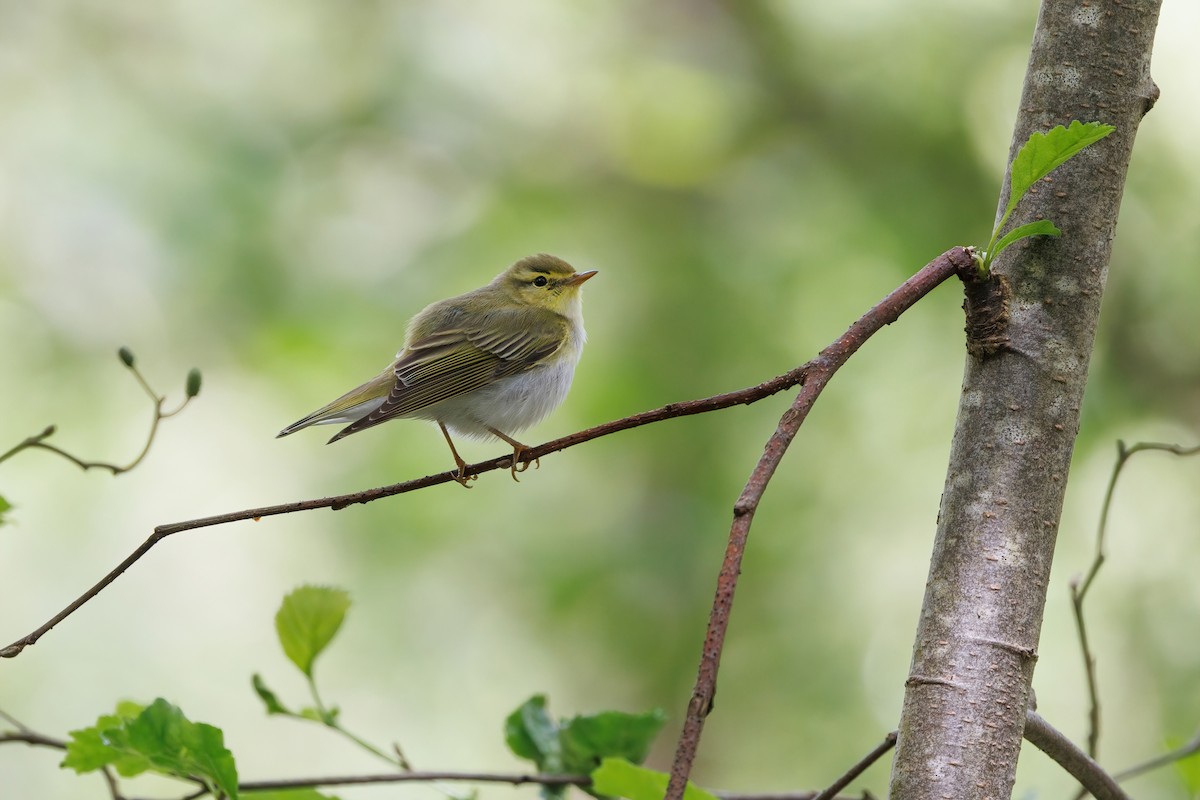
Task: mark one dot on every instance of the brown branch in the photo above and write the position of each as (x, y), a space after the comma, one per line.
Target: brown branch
(866, 761)
(515, 779)
(33, 739)
(1045, 737)
(38, 441)
(816, 375)
(1080, 586)
(943, 266)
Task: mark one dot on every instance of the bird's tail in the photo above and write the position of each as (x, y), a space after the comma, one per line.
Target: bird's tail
(350, 407)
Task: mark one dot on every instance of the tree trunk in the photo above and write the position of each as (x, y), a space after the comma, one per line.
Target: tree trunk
(976, 643)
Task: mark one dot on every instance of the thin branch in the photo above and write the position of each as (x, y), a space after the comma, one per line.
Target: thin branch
(33, 739)
(866, 761)
(1080, 587)
(38, 441)
(515, 779)
(817, 373)
(1178, 754)
(941, 267)
(1045, 737)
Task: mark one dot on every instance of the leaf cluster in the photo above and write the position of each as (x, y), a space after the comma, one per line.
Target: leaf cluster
(1041, 154)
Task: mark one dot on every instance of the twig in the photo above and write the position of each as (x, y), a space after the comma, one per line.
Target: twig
(33, 739)
(1045, 737)
(339, 502)
(943, 266)
(38, 441)
(1178, 754)
(817, 374)
(866, 761)
(1079, 588)
(516, 779)
(26, 735)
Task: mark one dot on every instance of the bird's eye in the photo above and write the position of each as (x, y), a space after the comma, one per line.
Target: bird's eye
(540, 280)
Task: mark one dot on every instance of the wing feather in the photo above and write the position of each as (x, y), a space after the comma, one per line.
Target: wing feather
(453, 362)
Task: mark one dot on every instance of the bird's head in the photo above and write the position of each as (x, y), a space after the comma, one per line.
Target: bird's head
(544, 281)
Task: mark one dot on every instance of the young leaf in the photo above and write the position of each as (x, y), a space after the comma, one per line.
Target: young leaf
(177, 746)
(618, 778)
(5, 507)
(308, 620)
(268, 697)
(325, 717)
(586, 740)
(1043, 227)
(1043, 152)
(90, 748)
(159, 739)
(289, 794)
(531, 734)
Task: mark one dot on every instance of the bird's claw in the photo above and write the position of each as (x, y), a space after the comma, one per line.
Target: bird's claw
(462, 477)
(520, 465)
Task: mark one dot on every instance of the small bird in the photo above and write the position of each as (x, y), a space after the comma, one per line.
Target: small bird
(490, 362)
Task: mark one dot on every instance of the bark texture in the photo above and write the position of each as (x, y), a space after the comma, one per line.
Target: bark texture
(976, 644)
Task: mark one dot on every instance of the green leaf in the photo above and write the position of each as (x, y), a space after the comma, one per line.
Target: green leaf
(1043, 152)
(586, 740)
(308, 620)
(289, 794)
(1043, 227)
(128, 709)
(177, 746)
(268, 697)
(531, 734)
(89, 749)
(5, 507)
(159, 739)
(1188, 769)
(618, 778)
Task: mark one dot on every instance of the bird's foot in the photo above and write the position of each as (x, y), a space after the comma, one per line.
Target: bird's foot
(462, 477)
(520, 465)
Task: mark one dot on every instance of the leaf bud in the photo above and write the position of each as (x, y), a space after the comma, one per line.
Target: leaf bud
(192, 387)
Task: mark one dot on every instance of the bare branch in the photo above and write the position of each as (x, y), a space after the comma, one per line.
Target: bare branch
(859, 768)
(38, 441)
(816, 374)
(515, 779)
(1045, 737)
(1079, 588)
(943, 266)
(33, 739)
(1178, 754)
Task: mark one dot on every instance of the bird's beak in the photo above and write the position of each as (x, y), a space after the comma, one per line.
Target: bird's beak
(579, 277)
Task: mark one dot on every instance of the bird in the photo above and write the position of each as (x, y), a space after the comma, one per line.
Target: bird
(488, 363)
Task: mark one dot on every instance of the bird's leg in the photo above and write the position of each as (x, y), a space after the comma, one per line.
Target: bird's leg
(463, 478)
(518, 450)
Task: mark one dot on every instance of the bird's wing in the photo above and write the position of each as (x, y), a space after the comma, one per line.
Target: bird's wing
(351, 406)
(455, 361)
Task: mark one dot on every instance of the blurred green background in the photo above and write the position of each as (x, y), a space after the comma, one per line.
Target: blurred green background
(269, 190)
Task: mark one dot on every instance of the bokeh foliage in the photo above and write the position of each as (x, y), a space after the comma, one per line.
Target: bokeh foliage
(270, 189)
